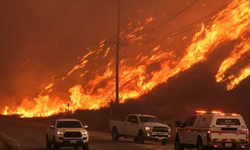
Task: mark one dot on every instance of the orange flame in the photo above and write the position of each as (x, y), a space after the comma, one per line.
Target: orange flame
(244, 73)
(230, 24)
(235, 55)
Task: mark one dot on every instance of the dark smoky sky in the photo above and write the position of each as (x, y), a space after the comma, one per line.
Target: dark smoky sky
(38, 38)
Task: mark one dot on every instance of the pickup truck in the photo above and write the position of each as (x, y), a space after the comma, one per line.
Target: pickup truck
(67, 133)
(140, 127)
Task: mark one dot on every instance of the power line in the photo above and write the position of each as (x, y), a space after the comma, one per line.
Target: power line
(169, 19)
(165, 36)
(161, 39)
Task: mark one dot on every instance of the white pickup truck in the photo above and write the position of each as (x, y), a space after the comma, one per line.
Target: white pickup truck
(67, 133)
(140, 127)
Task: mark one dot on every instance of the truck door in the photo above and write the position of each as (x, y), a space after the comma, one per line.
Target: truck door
(184, 131)
(134, 126)
(127, 125)
(51, 131)
(191, 134)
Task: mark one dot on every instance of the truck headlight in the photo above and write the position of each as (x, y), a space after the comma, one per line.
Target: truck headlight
(60, 132)
(84, 132)
(147, 128)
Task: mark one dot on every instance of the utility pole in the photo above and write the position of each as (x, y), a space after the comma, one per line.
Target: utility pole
(68, 108)
(117, 53)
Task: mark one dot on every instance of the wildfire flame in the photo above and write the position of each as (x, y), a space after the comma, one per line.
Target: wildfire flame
(228, 25)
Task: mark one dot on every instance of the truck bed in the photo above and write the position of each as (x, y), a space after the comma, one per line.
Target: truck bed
(117, 124)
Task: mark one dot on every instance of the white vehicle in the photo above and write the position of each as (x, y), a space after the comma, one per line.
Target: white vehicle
(212, 130)
(140, 128)
(67, 133)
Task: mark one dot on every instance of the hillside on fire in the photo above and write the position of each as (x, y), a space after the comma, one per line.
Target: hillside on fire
(173, 60)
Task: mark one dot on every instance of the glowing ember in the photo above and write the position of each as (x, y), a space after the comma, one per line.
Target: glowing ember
(49, 86)
(230, 24)
(149, 20)
(156, 48)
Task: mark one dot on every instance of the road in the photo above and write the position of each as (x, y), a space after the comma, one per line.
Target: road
(32, 137)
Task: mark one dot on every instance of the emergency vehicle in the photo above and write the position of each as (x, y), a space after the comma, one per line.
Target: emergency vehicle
(215, 129)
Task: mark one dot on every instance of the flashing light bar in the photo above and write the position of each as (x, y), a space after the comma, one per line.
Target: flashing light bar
(215, 112)
(207, 112)
(229, 114)
(200, 112)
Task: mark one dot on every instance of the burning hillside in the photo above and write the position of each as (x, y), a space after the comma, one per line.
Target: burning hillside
(136, 77)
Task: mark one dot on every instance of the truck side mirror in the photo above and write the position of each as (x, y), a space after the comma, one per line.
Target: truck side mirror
(179, 124)
(52, 127)
(85, 126)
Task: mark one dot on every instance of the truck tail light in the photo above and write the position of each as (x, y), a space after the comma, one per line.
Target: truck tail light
(208, 136)
(247, 136)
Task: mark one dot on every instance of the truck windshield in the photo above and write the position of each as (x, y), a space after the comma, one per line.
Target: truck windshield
(69, 124)
(224, 121)
(149, 119)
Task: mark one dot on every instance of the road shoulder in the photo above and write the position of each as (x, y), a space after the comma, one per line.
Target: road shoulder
(8, 143)
(5, 144)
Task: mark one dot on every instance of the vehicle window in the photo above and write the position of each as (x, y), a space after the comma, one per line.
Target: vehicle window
(69, 124)
(129, 118)
(192, 120)
(149, 119)
(225, 121)
(187, 121)
(133, 119)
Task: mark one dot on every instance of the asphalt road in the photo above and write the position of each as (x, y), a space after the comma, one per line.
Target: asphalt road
(32, 137)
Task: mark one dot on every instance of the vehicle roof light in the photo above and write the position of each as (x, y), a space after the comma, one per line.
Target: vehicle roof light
(234, 114)
(200, 112)
(207, 112)
(216, 112)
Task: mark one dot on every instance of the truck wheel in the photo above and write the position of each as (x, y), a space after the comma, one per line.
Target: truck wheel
(76, 147)
(55, 145)
(164, 142)
(48, 143)
(141, 137)
(199, 144)
(178, 145)
(136, 140)
(86, 146)
(115, 135)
